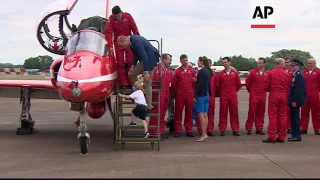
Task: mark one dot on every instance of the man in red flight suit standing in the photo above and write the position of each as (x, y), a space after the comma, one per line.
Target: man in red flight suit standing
(312, 77)
(287, 68)
(183, 84)
(166, 60)
(228, 85)
(255, 83)
(211, 106)
(278, 83)
(121, 23)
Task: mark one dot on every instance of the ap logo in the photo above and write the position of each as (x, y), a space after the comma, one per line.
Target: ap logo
(262, 14)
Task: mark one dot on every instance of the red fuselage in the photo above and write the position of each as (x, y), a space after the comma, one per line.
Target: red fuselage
(94, 75)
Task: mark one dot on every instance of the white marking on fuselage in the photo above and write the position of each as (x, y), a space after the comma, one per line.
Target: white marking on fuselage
(108, 77)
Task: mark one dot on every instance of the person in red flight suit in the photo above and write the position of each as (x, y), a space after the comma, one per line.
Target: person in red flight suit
(287, 68)
(183, 84)
(166, 60)
(255, 84)
(228, 85)
(312, 78)
(211, 106)
(121, 23)
(277, 84)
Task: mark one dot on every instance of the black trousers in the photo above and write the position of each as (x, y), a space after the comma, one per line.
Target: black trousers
(295, 122)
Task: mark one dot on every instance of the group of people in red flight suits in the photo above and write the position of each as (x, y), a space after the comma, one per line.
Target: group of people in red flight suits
(224, 84)
(277, 82)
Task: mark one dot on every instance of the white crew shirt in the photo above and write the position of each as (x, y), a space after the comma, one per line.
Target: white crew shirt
(138, 97)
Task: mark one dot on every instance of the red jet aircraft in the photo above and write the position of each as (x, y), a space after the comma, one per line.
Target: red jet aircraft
(85, 76)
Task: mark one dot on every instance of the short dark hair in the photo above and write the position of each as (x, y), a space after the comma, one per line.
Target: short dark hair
(263, 59)
(164, 56)
(116, 10)
(227, 58)
(287, 58)
(183, 56)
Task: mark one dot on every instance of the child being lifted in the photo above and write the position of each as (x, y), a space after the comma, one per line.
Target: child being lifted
(140, 111)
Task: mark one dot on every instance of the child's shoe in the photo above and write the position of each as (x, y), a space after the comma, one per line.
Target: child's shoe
(146, 135)
(132, 124)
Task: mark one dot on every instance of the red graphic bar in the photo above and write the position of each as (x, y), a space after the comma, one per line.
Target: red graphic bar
(263, 26)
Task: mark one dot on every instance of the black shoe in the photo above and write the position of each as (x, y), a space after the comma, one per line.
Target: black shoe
(236, 133)
(210, 134)
(293, 139)
(133, 124)
(189, 134)
(124, 87)
(162, 137)
(304, 132)
(260, 132)
(289, 131)
(177, 135)
(268, 141)
(223, 133)
(249, 132)
(279, 141)
(317, 132)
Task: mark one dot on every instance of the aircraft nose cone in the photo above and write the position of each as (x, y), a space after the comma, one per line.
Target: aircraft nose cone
(76, 92)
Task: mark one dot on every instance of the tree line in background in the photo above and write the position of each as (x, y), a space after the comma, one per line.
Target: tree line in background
(31, 63)
(241, 63)
(237, 61)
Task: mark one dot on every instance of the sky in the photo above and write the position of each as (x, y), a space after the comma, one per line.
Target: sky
(211, 28)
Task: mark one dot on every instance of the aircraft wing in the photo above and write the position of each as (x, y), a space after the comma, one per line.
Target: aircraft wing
(41, 89)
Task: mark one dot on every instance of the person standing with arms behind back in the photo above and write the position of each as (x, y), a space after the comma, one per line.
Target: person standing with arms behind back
(287, 68)
(255, 84)
(146, 57)
(121, 23)
(312, 78)
(228, 84)
(296, 99)
(202, 94)
(182, 84)
(277, 84)
(165, 71)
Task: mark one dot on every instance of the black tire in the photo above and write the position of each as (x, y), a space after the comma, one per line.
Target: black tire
(84, 144)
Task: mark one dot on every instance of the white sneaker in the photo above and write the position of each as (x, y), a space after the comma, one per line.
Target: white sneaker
(146, 135)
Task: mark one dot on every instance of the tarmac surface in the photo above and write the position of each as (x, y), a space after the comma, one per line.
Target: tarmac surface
(53, 152)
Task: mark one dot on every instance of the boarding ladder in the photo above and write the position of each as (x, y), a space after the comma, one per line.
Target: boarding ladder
(125, 134)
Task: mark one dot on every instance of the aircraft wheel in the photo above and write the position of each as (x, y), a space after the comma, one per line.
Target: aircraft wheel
(84, 145)
(152, 145)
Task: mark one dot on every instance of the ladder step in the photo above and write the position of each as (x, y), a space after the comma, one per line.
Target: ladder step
(137, 140)
(129, 114)
(135, 127)
(130, 102)
(131, 90)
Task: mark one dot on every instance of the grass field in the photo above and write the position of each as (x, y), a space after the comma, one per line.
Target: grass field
(27, 77)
